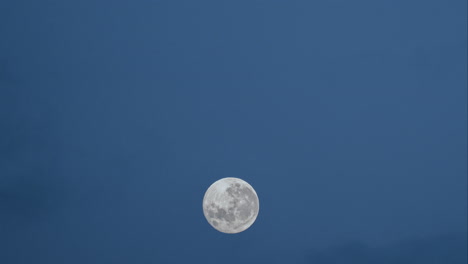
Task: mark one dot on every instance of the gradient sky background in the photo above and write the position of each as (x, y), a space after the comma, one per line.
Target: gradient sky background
(349, 118)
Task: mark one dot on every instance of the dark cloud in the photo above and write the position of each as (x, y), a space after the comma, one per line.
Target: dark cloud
(29, 178)
(449, 248)
(6, 73)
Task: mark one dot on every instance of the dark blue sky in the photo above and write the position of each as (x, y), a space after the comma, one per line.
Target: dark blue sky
(349, 118)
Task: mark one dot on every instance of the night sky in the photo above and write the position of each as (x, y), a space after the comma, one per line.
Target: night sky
(349, 118)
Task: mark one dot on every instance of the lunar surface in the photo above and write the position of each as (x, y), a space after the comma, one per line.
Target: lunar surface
(230, 205)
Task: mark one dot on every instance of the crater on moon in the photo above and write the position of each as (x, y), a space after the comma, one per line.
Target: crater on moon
(230, 205)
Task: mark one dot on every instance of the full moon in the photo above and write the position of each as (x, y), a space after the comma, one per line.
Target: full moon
(230, 205)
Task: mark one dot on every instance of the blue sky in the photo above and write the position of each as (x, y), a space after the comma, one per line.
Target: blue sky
(348, 118)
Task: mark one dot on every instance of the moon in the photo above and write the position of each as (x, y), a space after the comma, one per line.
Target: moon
(230, 205)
